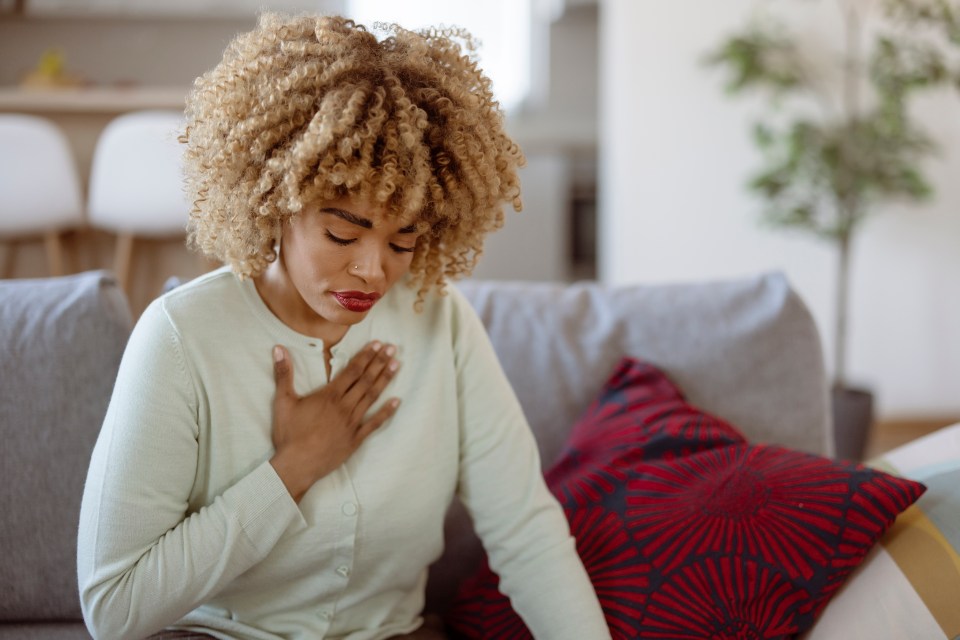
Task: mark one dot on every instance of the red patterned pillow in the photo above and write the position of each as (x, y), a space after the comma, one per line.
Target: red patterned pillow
(687, 531)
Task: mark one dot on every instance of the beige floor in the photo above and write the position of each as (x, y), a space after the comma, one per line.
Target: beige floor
(890, 434)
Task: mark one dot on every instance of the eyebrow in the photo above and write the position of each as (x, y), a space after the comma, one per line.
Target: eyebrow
(360, 221)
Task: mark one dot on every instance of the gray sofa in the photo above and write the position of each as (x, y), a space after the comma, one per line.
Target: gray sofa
(60, 345)
(746, 350)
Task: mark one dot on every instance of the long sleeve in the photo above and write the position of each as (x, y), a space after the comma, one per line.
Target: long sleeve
(144, 559)
(521, 525)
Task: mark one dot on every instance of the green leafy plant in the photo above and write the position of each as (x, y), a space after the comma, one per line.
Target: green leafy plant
(846, 146)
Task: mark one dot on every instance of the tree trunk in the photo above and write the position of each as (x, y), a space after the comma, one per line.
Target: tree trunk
(848, 202)
(841, 313)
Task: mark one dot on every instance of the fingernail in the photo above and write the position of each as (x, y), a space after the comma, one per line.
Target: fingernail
(394, 365)
(375, 345)
(390, 350)
(395, 403)
(277, 354)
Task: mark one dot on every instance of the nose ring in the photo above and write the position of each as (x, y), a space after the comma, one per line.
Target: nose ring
(355, 267)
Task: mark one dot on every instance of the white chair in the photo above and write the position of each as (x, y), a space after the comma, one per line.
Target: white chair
(39, 188)
(136, 183)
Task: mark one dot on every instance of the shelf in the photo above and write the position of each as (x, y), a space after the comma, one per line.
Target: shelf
(178, 9)
(92, 100)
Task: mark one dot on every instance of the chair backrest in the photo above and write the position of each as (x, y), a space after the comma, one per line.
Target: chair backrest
(39, 186)
(136, 180)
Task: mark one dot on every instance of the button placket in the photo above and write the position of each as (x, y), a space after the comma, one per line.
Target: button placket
(343, 559)
(341, 535)
(310, 356)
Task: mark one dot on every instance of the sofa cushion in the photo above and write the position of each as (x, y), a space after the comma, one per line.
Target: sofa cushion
(909, 585)
(61, 340)
(687, 530)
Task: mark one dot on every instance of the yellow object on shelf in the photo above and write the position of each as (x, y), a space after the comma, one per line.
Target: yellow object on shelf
(51, 73)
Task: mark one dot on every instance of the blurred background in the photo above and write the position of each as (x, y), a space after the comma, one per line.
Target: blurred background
(638, 159)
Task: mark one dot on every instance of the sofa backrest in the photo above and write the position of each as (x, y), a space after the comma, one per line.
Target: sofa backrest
(746, 350)
(61, 340)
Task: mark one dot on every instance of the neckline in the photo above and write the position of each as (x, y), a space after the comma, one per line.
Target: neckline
(291, 337)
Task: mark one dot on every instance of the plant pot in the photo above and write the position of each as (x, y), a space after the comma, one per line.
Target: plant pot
(852, 419)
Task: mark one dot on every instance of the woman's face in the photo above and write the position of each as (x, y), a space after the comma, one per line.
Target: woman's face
(340, 257)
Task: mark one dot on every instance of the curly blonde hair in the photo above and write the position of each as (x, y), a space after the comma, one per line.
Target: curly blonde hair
(307, 108)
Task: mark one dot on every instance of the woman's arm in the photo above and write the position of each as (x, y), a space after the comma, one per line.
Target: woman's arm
(142, 563)
(523, 528)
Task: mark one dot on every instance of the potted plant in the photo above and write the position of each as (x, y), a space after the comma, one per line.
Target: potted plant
(826, 169)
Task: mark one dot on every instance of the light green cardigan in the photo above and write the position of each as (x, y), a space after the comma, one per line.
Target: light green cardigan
(185, 523)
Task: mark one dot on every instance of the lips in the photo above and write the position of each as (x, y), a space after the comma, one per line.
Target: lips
(358, 301)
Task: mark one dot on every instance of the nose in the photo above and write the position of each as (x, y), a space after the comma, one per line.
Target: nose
(368, 265)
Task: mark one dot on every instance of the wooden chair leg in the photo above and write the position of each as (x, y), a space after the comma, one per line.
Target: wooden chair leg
(122, 259)
(54, 253)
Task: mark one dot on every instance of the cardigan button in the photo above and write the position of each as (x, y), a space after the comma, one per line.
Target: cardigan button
(349, 509)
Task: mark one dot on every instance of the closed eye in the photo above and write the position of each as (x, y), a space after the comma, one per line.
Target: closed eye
(400, 249)
(341, 241)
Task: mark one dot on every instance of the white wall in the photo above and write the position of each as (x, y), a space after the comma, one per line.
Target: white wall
(533, 244)
(675, 154)
(558, 137)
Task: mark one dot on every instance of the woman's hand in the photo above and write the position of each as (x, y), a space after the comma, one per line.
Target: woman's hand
(314, 434)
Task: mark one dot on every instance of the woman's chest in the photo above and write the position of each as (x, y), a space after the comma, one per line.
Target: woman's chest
(414, 453)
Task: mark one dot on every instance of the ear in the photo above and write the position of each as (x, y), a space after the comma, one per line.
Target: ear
(277, 235)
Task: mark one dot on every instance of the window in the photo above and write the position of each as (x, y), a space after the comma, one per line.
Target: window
(502, 27)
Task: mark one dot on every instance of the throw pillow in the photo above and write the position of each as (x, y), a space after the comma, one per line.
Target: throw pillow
(688, 531)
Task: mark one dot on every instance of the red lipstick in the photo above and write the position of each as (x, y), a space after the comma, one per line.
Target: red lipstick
(358, 301)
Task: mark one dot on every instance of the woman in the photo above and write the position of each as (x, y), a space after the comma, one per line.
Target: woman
(342, 179)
